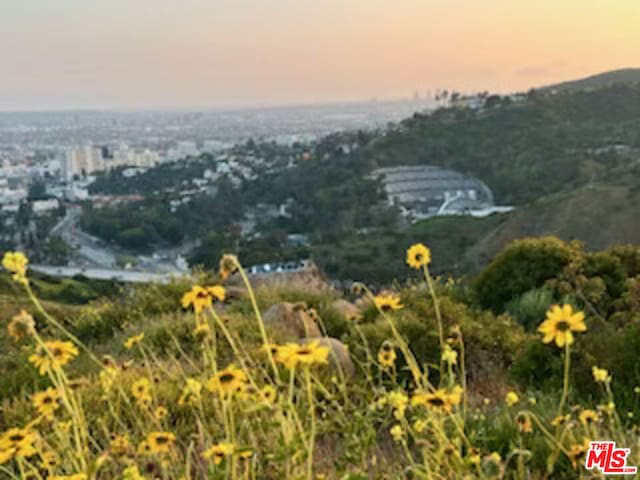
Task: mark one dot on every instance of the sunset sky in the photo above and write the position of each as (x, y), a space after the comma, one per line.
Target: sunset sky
(233, 53)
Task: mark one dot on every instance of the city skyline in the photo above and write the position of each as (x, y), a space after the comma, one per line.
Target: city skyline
(226, 54)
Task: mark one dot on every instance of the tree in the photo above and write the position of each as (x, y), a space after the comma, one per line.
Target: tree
(57, 251)
(37, 191)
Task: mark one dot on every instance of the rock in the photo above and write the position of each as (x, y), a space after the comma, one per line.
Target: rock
(233, 292)
(340, 362)
(289, 322)
(347, 309)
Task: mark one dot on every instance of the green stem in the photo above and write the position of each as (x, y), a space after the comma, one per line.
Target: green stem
(263, 330)
(312, 434)
(436, 306)
(565, 387)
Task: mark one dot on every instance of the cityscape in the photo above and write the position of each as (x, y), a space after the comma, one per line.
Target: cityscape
(50, 159)
(319, 240)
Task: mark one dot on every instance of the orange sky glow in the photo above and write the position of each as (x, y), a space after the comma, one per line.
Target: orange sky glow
(224, 53)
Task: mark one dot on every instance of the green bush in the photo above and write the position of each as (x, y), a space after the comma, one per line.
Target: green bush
(522, 266)
(529, 309)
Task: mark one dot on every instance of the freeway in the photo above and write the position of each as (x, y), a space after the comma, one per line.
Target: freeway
(92, 252)
(104, 274)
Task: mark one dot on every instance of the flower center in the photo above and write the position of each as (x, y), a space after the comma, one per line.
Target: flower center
(227, 377)
(563, 326)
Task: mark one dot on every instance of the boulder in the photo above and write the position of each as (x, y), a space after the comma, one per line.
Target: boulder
(288, 322)
(347, 309)
(340, 363)
(235, 292)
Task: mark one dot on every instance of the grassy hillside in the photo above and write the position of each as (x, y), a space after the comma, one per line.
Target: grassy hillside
(373, 256)
(624, 75)
(599, 216)
(419, 377)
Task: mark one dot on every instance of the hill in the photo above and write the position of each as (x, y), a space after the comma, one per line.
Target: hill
(599, 216)
(623, 75)
(168, 381)
(525, 149)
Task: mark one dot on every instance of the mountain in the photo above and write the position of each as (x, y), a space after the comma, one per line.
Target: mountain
(623, 75)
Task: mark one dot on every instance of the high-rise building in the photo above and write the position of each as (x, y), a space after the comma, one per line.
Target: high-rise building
(82, 161)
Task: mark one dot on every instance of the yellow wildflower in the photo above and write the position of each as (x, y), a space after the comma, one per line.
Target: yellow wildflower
(46, 402)
(398, 401)
(133, 341)
(132, 473)
(107, 378)
(559, 420)
(396, 433)
(16, 263)
(449, 355)
(144, 448)
(600, 375)
(587, 416)
(119, 445)
(161, 442)
(227, 381)
(577, 453)
(418, 256)
(141, 391)
(388, 302)
(190, 393)
(523, 420)
(307, 354)
(228, 266)
(218, 452)
(54, 355)
(441, 399)
(21, 325)
(512, 398)
(268, 394)
(18, 442)
(160, 413)
(202, 297)
(201, 331)
(419, 425)
(49, 460)
(560, 324)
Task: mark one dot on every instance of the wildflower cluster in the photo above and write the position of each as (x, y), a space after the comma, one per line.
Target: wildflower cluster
(228, 398)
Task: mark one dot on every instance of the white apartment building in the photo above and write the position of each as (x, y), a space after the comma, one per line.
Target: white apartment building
(86, 160)
(42, 206)
(82, 161)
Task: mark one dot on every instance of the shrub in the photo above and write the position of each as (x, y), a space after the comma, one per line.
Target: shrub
(530, 308)
(522, 266)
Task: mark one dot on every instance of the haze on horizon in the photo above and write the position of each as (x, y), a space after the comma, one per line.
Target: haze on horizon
(64, 54)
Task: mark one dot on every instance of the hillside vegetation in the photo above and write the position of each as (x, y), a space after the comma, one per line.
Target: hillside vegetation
(543, 150)
(623, 75)
(208, 378)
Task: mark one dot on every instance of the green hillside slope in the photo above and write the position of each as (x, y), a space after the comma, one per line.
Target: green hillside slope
(623, 75)
(599, 216)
